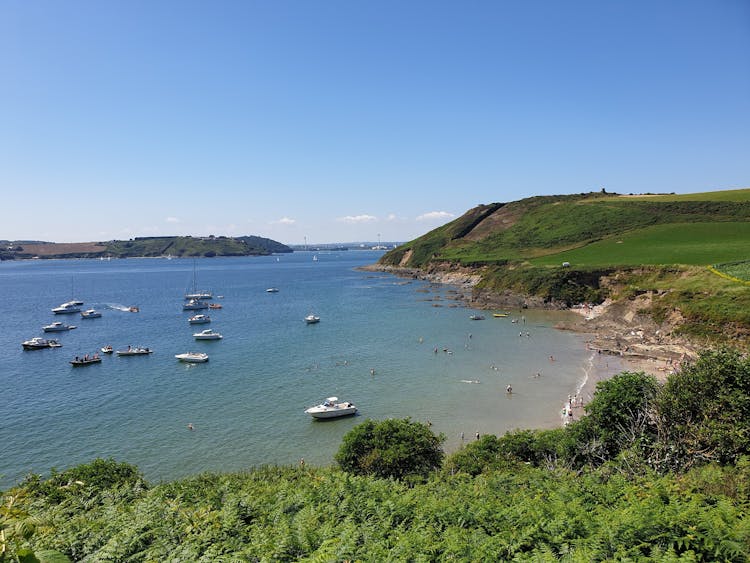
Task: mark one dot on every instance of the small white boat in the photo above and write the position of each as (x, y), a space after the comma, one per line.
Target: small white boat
(192, 357)
(37, 343)
(477, 317)
(312, 319)
(90, 314)
(331, 408)
(207, 334)
(194, 305)
(107, 350)
(199, 319)
(57, 327)
(67, 308)
(272, 290)
(85, 360)
(137, 351)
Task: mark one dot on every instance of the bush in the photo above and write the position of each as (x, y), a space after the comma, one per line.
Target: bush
(703, 412)
(396, 448)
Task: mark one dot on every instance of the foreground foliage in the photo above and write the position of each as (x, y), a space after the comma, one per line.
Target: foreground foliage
(294, 514)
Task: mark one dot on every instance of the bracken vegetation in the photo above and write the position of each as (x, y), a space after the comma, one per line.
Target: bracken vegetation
(652, 472)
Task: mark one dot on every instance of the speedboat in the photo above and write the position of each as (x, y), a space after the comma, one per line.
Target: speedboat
(312, 319)
(331, 408)
(477, 317)
(67, 308)
(192, 357)
(199, 319)
(500, 315)
(37, 343)
(85, 360)
(207, 334)
(272, 290)
(107, 349)
(57, 327)
(137, 351)
(194, 305)
(214, 306)
(90, 314)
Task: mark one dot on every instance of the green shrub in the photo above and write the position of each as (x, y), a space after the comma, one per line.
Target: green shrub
(397, 448)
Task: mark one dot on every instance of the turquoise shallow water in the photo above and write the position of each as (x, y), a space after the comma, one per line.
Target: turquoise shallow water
(246, 404)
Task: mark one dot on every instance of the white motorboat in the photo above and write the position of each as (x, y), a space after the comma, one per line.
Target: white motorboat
(199, 319)
(67, 308)
(194, 305)
(207, 334)
(37, 343)
(192, 357)
(331, 408)
(272, 290)
(312, 319)
(137, 351)
(107, 349)
(90, 314)
(57, 327)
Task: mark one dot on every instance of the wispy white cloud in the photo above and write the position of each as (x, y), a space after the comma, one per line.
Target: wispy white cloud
(354, 219)
(284, 221)
(391, 217)
(172, 220)
(435, 216)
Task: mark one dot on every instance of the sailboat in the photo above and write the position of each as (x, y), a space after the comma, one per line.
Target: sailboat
(194, 293)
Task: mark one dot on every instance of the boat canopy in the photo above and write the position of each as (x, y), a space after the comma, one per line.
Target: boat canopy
(332, 399)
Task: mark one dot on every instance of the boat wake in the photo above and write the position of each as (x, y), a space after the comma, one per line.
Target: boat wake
(117, 307)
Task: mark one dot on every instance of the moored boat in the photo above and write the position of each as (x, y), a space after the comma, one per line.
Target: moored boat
(67, 308)
(85, 360)
(477, 317)
(207, 334)
(134, 351)
(312, 319)
(57, 327)
(199, 319)
(107, 349)
(194, 305)
(38, 343)
(192, 357)
(90, 314)
(331, 408)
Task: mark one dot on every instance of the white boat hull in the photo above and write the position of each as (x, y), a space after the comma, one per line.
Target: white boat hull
(192, 358)
(335, 411)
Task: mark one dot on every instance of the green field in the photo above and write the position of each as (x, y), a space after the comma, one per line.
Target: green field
(697, 244)
(737, 270)
(724, 195)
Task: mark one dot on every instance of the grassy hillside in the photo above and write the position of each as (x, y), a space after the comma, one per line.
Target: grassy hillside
(698, 245)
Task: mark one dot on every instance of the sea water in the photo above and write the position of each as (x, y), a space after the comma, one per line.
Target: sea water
(395, 348)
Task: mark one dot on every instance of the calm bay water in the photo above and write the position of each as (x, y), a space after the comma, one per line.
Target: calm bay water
(246, 404)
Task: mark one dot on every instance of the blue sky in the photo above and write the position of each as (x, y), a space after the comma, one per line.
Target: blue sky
(345, 120)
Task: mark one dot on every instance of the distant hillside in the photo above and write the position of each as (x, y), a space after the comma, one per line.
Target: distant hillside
(690, 252)
(145, 247)
(558, 228)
